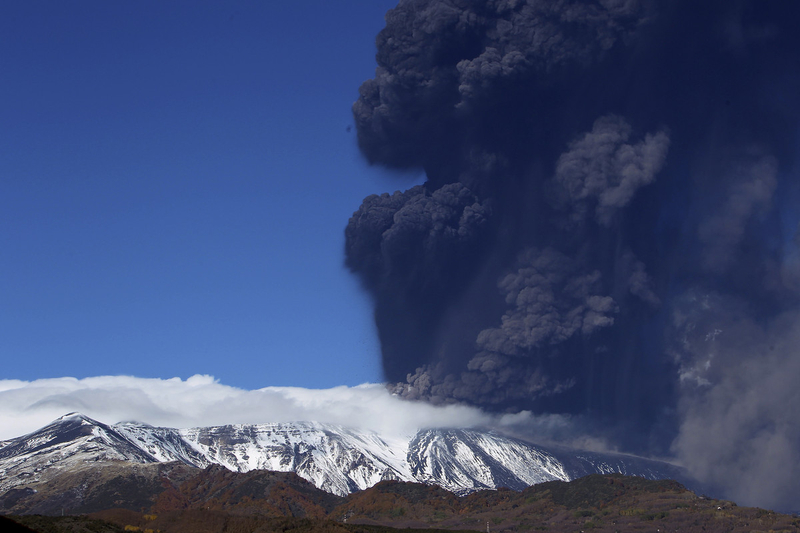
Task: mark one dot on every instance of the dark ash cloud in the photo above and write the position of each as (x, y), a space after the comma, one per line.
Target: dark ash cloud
(549, 303)
(411, 249)
(749, 194)
(443, 67)
(609, 184)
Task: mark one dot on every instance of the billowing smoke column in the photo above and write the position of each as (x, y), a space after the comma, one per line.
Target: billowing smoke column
(608, 229)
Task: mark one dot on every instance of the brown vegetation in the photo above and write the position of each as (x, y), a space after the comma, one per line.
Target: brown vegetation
(219, 501)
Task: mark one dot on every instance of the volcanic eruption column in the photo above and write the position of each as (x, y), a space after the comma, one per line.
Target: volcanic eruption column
(608, 226)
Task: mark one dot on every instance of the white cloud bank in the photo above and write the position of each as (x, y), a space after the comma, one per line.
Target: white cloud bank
(202, 401)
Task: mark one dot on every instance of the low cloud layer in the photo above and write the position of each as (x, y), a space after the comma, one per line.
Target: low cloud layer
(202, 401)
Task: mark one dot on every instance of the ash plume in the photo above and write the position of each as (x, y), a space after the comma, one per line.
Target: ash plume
(608, 226)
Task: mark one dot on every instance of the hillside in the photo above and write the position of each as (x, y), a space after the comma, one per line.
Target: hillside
(220, 501)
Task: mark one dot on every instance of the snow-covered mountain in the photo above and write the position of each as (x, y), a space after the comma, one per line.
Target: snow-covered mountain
(336, 459)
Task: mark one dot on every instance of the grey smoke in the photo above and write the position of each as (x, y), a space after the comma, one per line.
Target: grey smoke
(549, 303)
(602, 168)
(740, 424)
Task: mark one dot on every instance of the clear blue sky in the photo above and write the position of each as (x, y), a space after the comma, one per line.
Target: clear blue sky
(175, 179)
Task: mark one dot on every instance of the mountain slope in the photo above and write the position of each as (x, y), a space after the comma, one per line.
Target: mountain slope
(68, 443)
(336, 459)
(217, 500)
(465, 460)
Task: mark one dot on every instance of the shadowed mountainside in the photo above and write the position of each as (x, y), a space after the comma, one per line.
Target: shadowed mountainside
(219, 501)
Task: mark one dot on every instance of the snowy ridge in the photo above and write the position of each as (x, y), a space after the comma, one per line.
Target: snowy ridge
(162, 444)
(67, 443)
(463, 461)
(337, 459)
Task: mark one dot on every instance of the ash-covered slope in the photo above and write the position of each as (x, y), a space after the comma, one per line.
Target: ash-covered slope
(336, 459)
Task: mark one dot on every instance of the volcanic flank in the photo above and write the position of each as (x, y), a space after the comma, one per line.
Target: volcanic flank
(608, 226)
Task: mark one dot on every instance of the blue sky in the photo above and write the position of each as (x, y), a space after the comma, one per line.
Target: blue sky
(175, 179)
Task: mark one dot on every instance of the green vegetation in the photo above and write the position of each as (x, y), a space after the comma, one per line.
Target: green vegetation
(632, 512)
